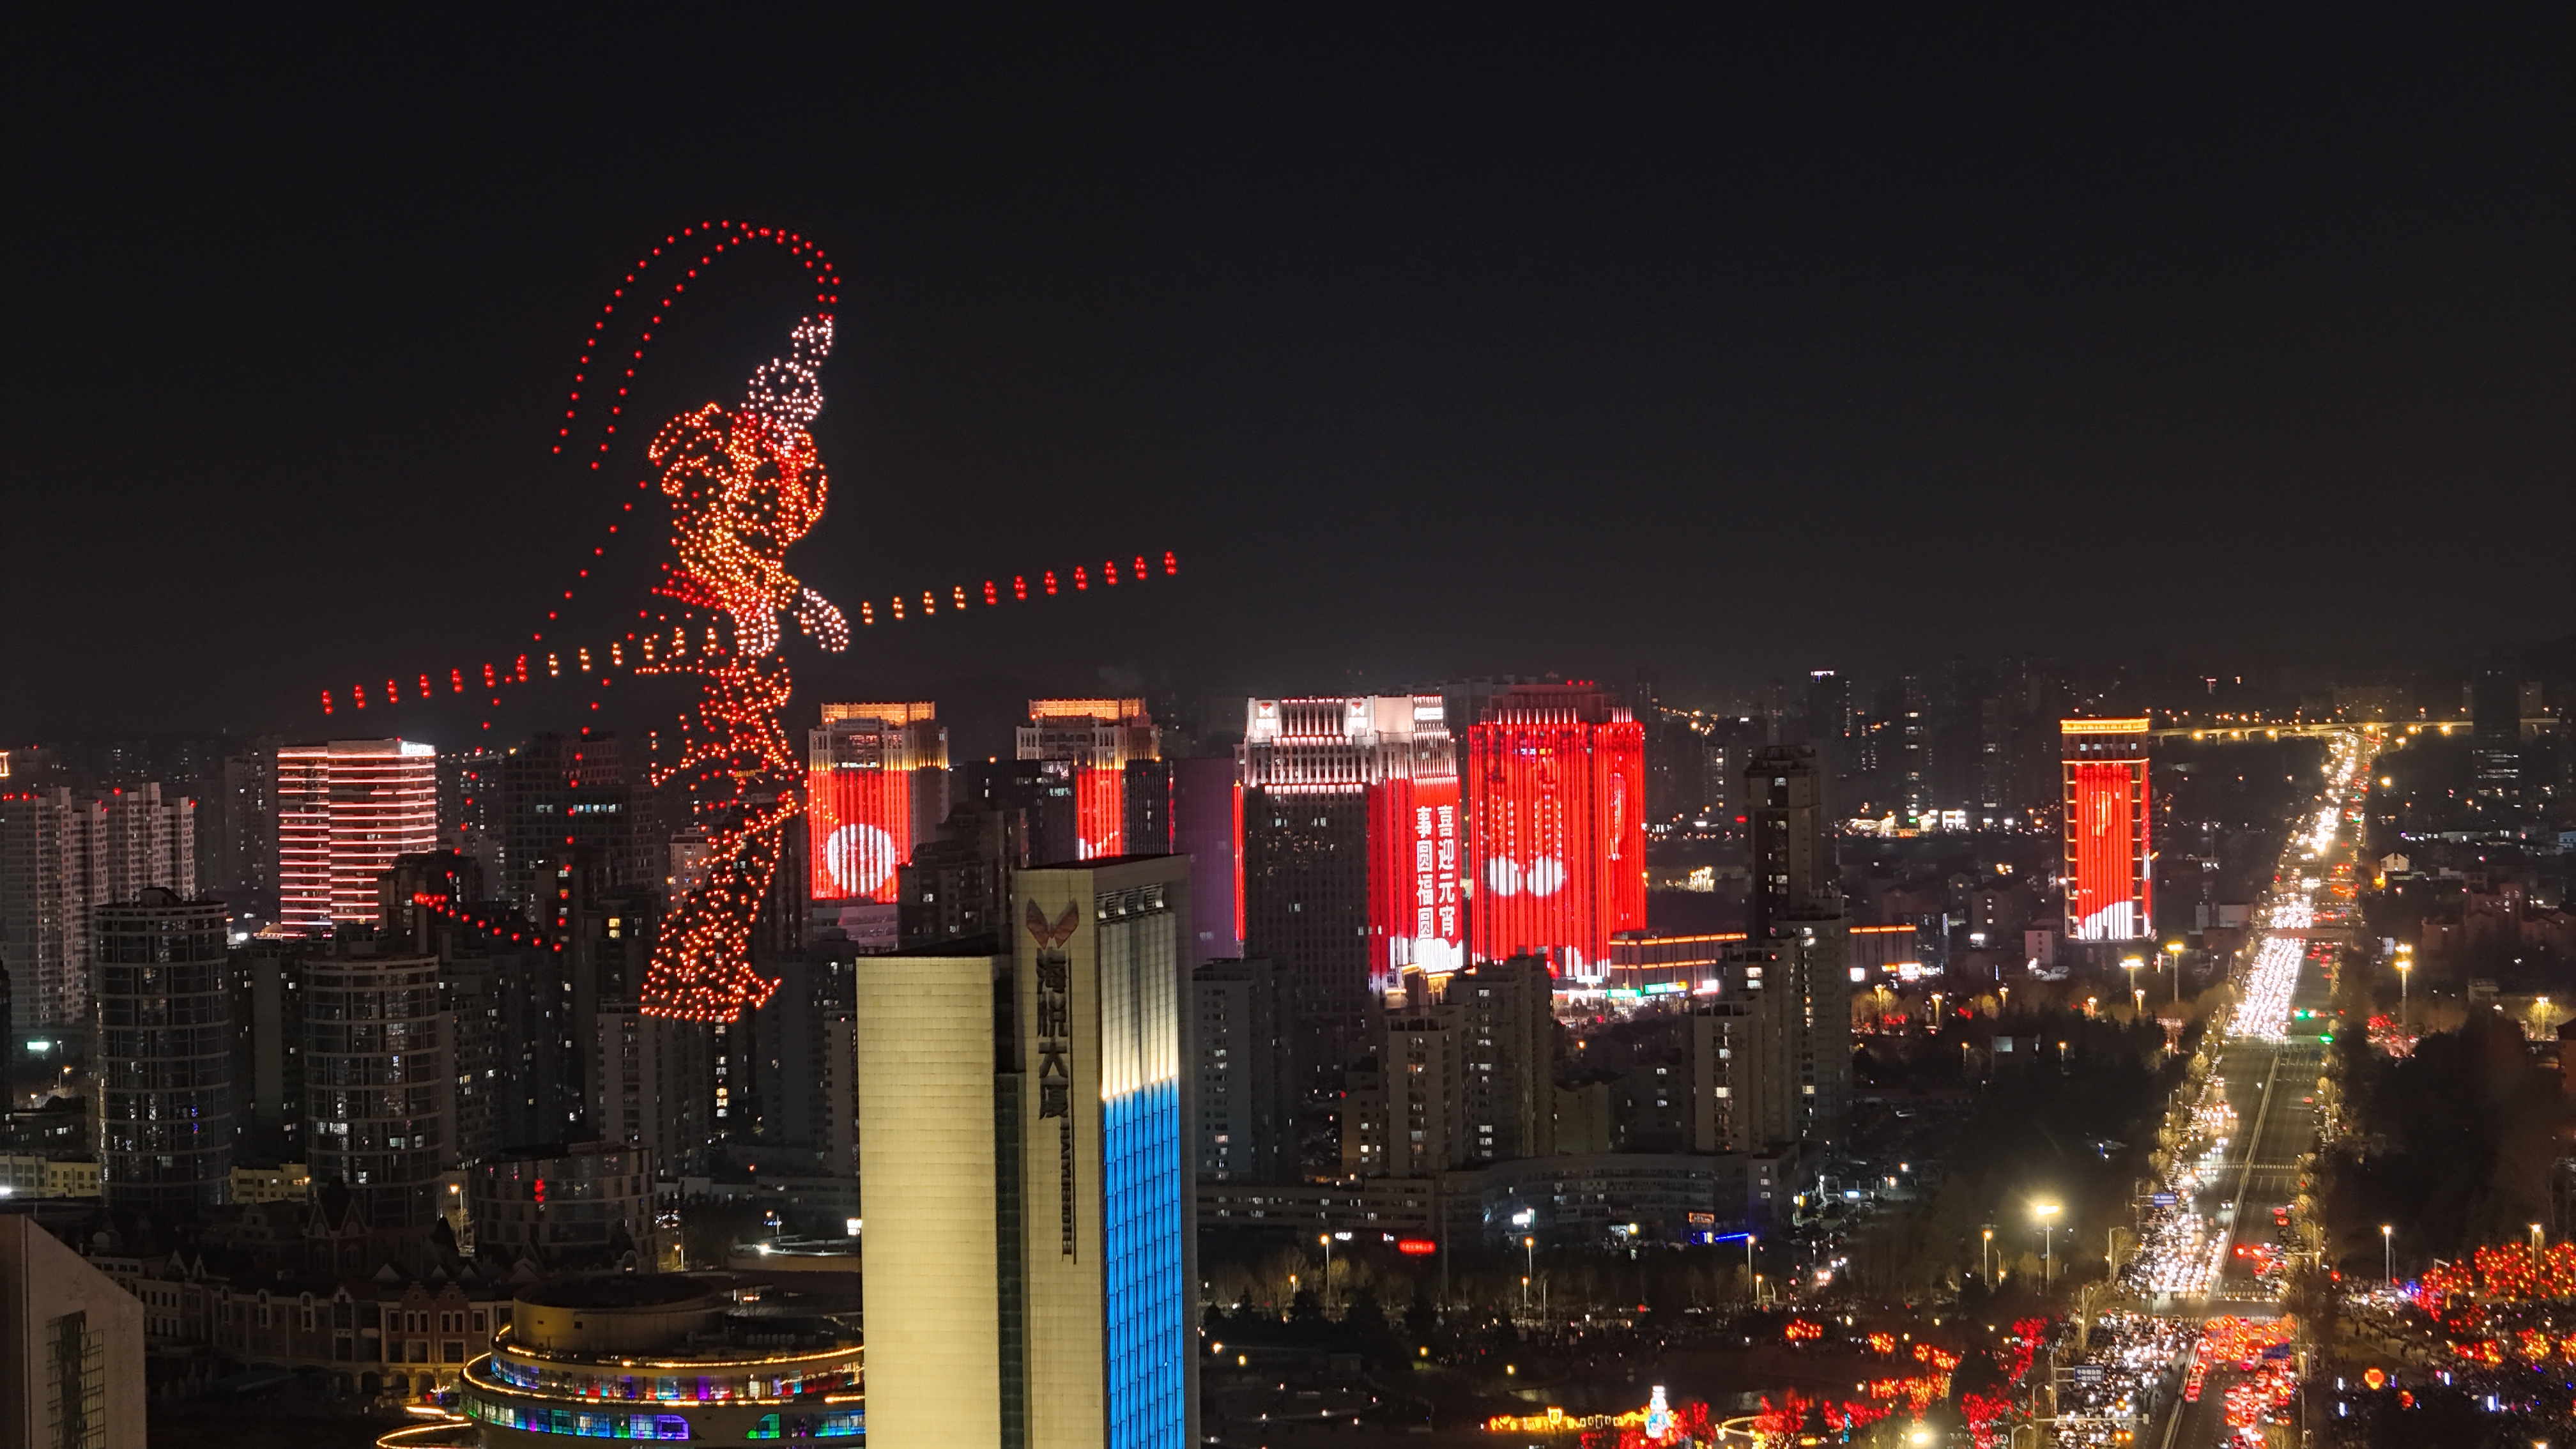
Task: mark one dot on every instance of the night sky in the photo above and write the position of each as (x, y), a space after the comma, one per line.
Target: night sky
(1433, 347)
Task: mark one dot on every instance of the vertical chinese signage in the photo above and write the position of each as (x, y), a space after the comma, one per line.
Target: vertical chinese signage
(1053, 1031)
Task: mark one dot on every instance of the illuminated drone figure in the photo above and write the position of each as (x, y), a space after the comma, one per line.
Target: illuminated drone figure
(745, 484)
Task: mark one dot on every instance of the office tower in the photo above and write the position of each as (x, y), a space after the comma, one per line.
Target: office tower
(163, 1053)
(45, 839)
(876, 784)
(1350, 854)
(1087, 743)
(1245, 1064)
(1556, 827)
(379, 1081)
(568, 800)
(345, 810)
(71, 1346)
(2110, 871)
(1207, 826)
(1031, 1269)
(143, 841)
(1792, 967)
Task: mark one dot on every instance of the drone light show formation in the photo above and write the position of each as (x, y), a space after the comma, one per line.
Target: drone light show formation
(744, 483)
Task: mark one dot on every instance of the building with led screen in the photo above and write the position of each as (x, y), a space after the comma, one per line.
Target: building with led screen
(1036, 1086)
(1351, 842)
(1556, 827)
(877, 785)
(1090, 743)
(701, 1358)
(2110, 875)
(344, 811)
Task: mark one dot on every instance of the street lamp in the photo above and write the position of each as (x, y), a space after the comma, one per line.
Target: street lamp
(2046, 1212)
(2131, 964)
(1529, 1269)
(2388, 1252)
(1327, 1240)
(1749, 1241)
(2537, 1242)
(1986, 1256)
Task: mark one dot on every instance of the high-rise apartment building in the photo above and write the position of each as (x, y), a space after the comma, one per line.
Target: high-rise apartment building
(2110, 872)
(62, 856)
(379, 1082)
(568, 801)
(1507, 1057)
(1245, 1063)
(1030, 1242)
(1556, 812)
(163, 1053)
(143, 841)
(876, 787)
(45, 837)
(1207, 826)
(1350, 854)
(1791, 970)
(1088, 743)
(345, 810)
(652, 1084)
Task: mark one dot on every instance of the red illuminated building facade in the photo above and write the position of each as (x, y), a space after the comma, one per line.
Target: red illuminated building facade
(344, 811)
(1556, 779)
(1351, 849)
(877, 784)
(2110, 875)
(1091, 742)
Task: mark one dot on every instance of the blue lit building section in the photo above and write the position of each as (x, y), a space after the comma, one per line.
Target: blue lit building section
(1142, 1225)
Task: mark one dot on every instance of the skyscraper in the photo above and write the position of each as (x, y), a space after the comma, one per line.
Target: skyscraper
(1556, 801)
(2110, 874)
(1030, 1270)
(344, 811)
(1792, 967)
(164, 1053)
(877, 786)
(1350, 833)
(1088, 743)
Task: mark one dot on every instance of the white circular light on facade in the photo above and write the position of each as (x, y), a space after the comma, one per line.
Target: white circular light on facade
(1546, 876)
(860, 858)
(1503, 876)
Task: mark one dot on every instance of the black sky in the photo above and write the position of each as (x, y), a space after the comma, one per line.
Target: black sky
(1433, 346)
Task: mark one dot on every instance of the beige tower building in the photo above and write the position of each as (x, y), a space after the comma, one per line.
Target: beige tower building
(1030, 1254)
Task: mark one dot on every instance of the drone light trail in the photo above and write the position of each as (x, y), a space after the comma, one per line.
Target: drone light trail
(744, 483)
